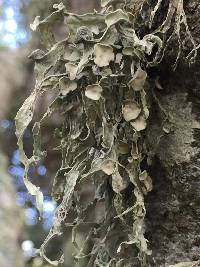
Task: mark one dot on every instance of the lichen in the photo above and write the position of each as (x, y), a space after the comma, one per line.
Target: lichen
(99, 76)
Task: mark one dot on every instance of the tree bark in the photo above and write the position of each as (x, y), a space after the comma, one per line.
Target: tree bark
(83, 6)
(11, 222)
(173, 212)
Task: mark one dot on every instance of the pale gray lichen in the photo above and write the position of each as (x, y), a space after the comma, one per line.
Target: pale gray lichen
(99, 75)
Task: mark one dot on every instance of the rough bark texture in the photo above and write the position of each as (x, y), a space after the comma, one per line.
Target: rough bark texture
(173, 227)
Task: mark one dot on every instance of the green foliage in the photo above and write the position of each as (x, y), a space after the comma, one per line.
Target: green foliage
(98, 74)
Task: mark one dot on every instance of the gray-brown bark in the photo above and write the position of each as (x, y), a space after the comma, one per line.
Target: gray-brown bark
(82, 6)
(173, 227)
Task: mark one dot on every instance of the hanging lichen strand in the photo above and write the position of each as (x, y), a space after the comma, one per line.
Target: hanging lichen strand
(98, 74)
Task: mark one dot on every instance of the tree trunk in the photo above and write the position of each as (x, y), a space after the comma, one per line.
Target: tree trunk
(173, 227)
(11, 221)
(82, 6)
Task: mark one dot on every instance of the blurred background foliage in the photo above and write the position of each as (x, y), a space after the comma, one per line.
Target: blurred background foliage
(23, 230)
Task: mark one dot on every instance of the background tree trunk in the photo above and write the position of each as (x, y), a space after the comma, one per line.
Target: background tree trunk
(11, 221)
(82, 6)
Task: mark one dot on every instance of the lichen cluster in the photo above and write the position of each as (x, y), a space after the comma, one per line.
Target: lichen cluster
(98, 75)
